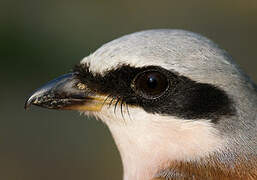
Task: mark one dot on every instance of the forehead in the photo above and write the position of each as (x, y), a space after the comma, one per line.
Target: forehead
(186, 53)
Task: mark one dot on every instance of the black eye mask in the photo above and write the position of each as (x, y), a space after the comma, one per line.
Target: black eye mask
(161, 91)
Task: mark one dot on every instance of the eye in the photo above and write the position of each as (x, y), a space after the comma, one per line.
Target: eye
(150, 84)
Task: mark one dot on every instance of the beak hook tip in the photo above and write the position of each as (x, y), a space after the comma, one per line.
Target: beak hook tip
(28, 103)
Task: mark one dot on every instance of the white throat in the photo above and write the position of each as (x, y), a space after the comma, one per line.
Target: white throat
(148, 142)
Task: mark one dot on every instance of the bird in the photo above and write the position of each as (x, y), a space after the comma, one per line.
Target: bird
(176, 104)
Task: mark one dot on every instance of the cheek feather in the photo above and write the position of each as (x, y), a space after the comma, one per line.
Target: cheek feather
(157, 140)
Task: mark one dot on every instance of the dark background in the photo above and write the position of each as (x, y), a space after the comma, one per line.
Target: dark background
(42, 39)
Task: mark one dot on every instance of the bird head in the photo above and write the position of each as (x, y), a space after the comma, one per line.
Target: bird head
(166, 95)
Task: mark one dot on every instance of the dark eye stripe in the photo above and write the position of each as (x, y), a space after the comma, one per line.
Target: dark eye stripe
(145, 87)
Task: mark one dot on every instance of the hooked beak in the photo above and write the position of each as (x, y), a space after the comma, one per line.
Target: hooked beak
(68, 93)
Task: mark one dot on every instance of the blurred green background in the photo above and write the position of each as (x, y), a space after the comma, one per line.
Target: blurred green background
(43, 39)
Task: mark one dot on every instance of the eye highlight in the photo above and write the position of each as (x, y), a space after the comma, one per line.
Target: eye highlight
(150, 84)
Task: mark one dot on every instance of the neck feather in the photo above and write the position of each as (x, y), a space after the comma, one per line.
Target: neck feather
(147, 147)
(215, 166)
